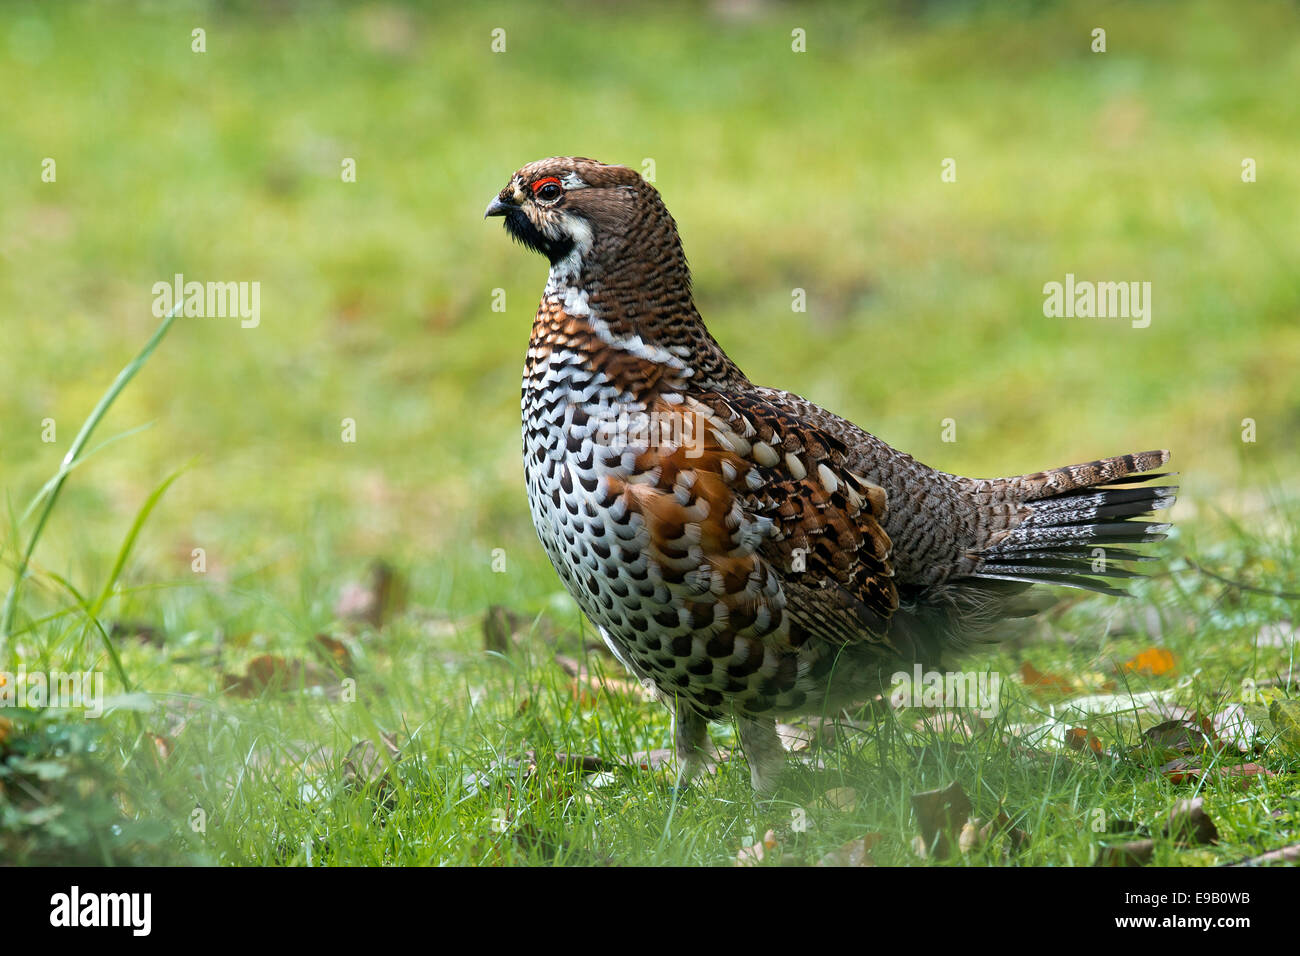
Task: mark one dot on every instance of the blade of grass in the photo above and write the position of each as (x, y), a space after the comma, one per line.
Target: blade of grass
(122, 554)
(49, 485)
(69, 460)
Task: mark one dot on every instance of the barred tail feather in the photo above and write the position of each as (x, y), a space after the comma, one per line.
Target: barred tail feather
(1062, 516)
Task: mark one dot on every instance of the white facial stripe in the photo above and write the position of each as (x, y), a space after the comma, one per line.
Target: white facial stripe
(572, 181)
(568, 268)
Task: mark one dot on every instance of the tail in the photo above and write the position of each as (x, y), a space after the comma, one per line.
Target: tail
(1061, 526)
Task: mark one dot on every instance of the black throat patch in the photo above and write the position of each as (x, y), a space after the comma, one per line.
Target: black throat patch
(523, 231)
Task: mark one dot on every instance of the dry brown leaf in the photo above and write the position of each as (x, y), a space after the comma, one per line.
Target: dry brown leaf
(940, 814)
(271, 672)
(1190, 825)
(587, 763)
(1182, 735)
(336, 653)
(1239, 775)
(1002, 823)
(1245, 773)
(1043, 684)
(1179, 770)
(1080, 738)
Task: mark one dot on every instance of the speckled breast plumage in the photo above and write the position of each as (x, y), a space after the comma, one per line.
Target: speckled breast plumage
(710, 633)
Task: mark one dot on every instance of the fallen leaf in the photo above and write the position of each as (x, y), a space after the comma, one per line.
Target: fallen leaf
(1190, 825)
(587, 763)
(269, 672)
(1044, 684)
(336, 653)
(1019, 838)
(1183, 736)
(1179, 770)
(1079, 738)
(940, 814)
(854, 853)
(1153, 662)
(1246, 772)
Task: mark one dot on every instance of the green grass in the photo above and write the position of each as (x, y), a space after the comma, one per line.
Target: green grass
(817, 171)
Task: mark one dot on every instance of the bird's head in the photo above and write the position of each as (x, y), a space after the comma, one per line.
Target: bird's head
(610, 239)
(564, 206)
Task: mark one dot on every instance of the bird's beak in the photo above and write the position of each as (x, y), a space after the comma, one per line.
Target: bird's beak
(497, 208)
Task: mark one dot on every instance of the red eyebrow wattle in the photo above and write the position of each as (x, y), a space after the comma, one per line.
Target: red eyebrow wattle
(542, 182)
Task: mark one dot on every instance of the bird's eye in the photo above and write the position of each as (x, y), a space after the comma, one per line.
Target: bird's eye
(548, 190)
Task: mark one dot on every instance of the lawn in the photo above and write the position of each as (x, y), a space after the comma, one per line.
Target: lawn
(269, 704)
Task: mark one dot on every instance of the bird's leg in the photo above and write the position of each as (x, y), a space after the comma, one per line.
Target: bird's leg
(763, 750)
(691, 734)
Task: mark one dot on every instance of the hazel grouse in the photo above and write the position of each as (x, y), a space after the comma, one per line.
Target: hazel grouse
(745, 550)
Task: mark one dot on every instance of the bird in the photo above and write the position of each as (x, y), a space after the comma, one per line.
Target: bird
(742, 551)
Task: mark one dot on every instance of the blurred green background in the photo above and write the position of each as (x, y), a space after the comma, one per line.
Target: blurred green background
(817, 170)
